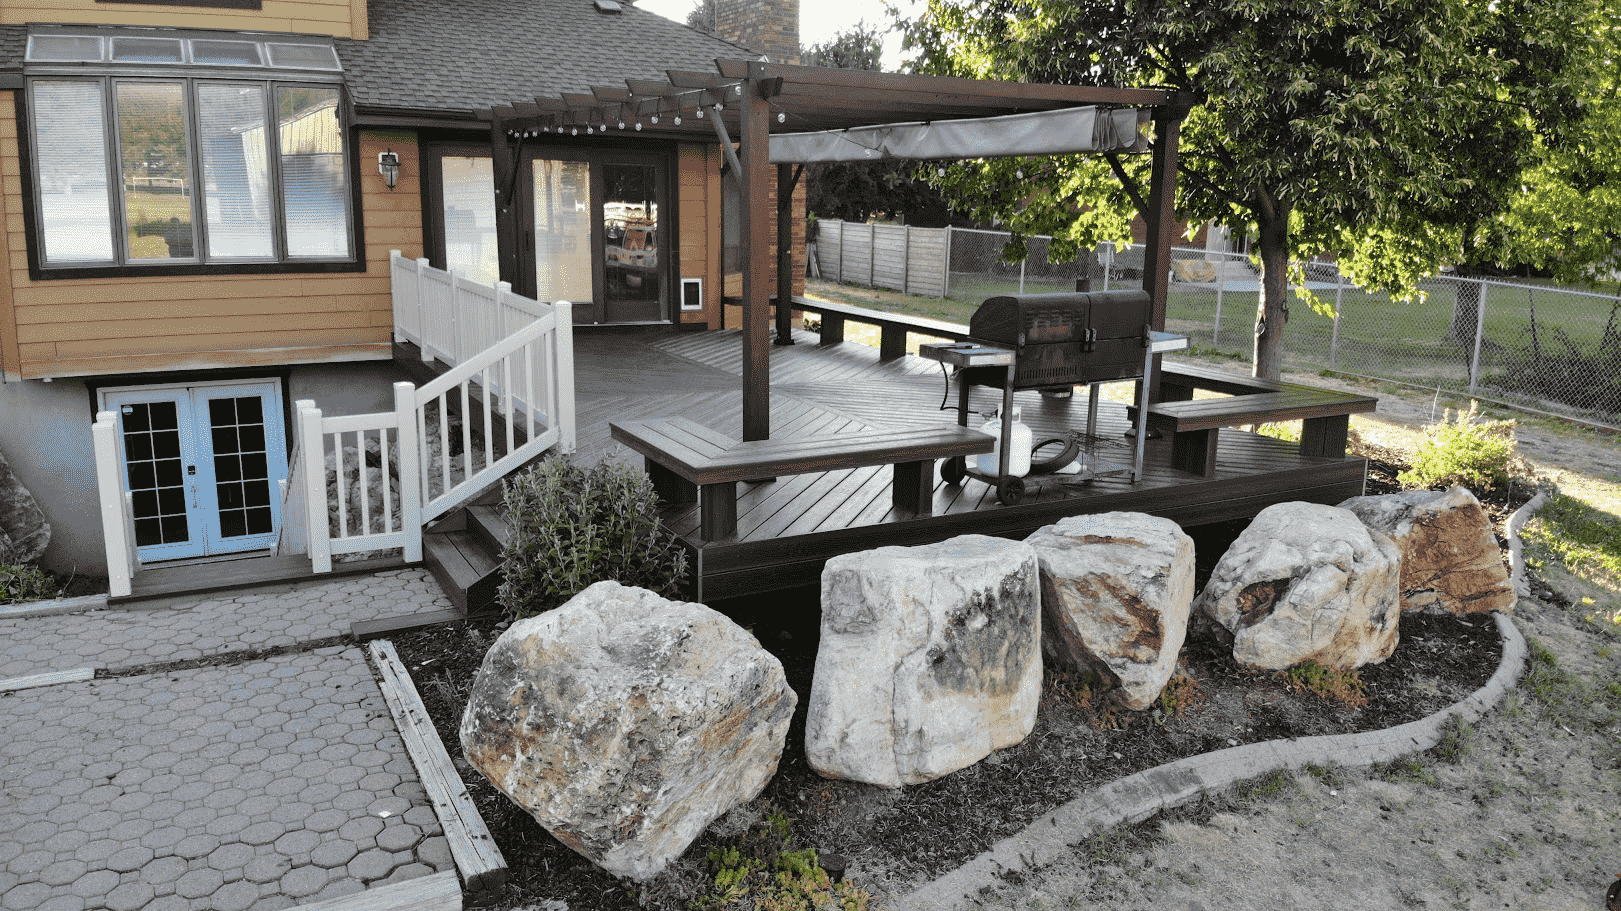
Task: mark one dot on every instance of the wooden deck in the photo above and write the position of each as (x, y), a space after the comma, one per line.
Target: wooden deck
(788, 528)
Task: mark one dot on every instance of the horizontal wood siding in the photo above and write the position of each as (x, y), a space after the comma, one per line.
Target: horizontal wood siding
(889, 257)
(857, 255)
(698, 201)
(78, 327)
(315, 17)
(926, 263)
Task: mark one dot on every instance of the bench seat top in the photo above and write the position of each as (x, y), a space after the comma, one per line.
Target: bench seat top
(705, 456)
(1201, 376)
(1292, 402)
(922, 324)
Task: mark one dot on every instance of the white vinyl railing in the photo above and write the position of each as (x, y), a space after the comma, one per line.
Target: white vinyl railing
(511, 371)
(117, 507)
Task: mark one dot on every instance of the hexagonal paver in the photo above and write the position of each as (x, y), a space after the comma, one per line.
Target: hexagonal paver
(94, 884)
(304, 882)
(130, 897)
(198, 883)
(302, 841)
(373, 864)
(262, 833)
(267, 868)
(362, 829)
(399, 838)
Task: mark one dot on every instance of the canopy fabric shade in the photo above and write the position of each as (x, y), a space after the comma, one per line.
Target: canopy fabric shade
(1084, 129)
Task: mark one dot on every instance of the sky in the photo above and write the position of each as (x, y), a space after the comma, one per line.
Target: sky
(816, 26)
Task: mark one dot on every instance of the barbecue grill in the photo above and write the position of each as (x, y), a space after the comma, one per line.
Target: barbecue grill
(1053, 341)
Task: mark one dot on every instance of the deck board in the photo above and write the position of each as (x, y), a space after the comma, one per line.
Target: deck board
(789, 526)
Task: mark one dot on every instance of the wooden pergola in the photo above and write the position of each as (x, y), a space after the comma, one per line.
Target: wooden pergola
(819, 114)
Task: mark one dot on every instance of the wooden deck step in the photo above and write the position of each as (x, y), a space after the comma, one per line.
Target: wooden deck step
(466, 567)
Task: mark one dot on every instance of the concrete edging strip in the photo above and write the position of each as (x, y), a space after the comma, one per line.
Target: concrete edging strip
(1516, 547)
(1139, 796)
(48, 679)
(57, 606)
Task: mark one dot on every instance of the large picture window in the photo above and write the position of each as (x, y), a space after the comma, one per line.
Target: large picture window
(136, 171)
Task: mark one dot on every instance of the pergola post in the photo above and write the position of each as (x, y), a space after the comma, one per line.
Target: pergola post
(1161, 217)
(755, 135)
(785, 253)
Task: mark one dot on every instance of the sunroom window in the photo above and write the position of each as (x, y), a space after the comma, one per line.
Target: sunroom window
(137, 171)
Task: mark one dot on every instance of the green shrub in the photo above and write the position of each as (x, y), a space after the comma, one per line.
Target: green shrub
(1466, 449)
(761, 870)
(21, 582)
(573, 526)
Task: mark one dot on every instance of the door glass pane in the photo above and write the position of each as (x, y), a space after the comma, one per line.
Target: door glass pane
(236, 172)
(71, 154)
(630, 219)
(241, 472)
(154, 164)
(563, 217)
(156, 477)
(314, 187)
(469, 189)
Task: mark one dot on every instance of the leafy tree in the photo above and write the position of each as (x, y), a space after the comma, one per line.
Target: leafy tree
(1380, 134)
(705, 17)
(854, 191)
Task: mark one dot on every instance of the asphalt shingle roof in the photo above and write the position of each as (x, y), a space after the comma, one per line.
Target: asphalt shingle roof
(425, 55)
(13, 44)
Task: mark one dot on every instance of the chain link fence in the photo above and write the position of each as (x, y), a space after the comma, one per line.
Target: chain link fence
(1531, 346)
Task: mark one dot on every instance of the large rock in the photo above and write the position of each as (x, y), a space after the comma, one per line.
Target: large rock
(1449, 557)
(625, 723)
(1116, 590)
(24, 533)
(1307, 582)
(930, 659)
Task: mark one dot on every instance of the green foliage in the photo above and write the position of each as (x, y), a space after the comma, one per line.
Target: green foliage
(1341, 686)
(1457, 739)
(1465, 448)
(573, 526)
(761, 870)
(1586, 540)
(1385, 135)
(856, 190)
(23, 582)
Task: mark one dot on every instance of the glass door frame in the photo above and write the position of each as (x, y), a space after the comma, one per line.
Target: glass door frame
(196, 447)
(661, 157)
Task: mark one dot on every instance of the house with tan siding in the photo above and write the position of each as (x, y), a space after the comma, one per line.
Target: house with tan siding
(199, 200)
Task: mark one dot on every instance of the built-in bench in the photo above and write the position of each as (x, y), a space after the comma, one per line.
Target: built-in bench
(688, 461)
(893, 327)
(1194, 424)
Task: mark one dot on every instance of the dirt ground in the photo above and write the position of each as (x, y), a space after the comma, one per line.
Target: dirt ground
(1524, 817)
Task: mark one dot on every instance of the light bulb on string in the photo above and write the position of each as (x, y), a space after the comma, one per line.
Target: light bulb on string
(678, 120)
(781, 117)
(654, 118)
(638, 126)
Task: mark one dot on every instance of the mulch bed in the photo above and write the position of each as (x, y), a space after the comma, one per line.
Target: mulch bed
(1079, 743)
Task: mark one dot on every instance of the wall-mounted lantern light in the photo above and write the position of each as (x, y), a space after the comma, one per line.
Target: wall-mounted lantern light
(388, 165)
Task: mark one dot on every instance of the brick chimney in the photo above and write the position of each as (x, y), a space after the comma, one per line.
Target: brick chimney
(768, 26)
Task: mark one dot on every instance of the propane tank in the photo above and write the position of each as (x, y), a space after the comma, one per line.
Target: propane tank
(1022, 439)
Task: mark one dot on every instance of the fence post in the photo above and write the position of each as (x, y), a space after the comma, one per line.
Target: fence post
(906, 260)
(1215, 336)
(409, 464)
(563, 363)
(1334, 337)
(316, 508)
(872, 255)
(456, 319)
(1108, 264)
(842, 225)
(1480, 336)
(108, 490)
(1021, 271)
(422, 315)
(945, 280)
(394, 295)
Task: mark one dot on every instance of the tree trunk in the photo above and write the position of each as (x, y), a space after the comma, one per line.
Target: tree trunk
(1273, 312)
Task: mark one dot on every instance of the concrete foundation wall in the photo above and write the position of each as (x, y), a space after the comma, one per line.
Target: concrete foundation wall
(46, 438)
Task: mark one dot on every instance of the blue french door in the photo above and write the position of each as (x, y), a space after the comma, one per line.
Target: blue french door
(202, 464)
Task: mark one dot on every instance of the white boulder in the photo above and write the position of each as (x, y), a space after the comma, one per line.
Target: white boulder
(1116, 592)
(1449, 556)
(930, 659)
(625, 723)
(1307, 582)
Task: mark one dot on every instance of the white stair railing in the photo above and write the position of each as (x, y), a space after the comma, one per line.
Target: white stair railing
(511, 371)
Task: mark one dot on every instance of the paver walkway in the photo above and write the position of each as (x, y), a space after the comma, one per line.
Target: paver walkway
(258, 784)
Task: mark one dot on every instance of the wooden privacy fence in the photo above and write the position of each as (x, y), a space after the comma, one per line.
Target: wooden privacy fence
(899, 257)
